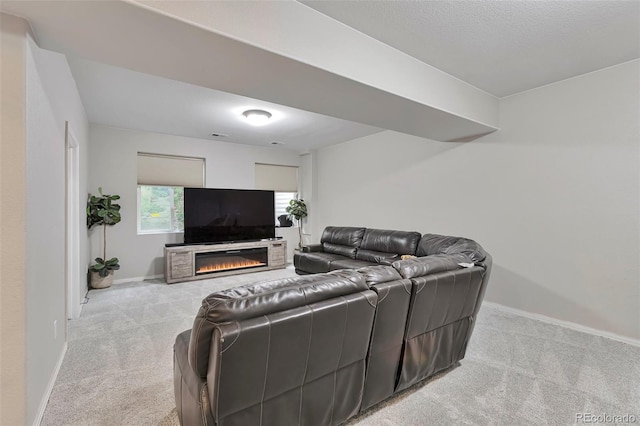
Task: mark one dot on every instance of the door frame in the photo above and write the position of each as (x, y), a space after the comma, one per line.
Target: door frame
(72, 246)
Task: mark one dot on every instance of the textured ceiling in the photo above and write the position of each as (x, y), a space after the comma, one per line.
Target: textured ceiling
(502, 47)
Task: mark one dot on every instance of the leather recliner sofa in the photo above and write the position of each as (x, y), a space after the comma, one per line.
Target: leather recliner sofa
(344, 247)
(319, 349)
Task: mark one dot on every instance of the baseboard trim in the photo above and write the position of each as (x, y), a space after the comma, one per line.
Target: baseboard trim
(52, 381)
(128, 280)
(566, 324)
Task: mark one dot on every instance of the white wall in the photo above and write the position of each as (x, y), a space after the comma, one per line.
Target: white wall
(38, 96)
(113, 166)
(52, 99)
(45, 241)
(65, 103)
(554, 196)
(13, 302)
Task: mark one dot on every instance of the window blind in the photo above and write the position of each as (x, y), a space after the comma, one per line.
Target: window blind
(276, 178)
(165, 170)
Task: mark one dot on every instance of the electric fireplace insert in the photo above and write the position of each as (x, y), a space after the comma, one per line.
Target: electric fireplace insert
(219, 261)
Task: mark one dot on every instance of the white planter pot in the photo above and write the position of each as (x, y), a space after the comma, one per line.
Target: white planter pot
(101, 282)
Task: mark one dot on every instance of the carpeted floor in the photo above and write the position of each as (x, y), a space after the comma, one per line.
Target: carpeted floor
(118, 367)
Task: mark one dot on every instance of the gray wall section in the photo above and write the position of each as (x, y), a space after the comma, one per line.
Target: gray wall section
(52, 99)
(554, 196)
(113, 166)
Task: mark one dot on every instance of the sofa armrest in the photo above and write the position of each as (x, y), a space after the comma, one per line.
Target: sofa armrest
(312, 247)
(190, 390)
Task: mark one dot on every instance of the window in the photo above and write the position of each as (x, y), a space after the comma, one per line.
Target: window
(282, 201)
(161, 209)
(281, 179)
(161, 182)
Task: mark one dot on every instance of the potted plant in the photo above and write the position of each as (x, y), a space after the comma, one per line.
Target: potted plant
(101, 210)
(297, 209)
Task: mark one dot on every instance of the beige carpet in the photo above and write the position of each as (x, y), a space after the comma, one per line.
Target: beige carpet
(170, 419)
(118, 367)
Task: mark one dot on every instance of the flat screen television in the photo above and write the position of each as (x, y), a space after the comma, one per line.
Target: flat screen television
(225, 215)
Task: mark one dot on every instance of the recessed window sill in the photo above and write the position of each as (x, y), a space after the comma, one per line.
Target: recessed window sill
(159, 232)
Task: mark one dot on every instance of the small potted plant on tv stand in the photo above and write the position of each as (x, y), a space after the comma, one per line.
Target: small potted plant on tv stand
(101, 210)
(297, 209)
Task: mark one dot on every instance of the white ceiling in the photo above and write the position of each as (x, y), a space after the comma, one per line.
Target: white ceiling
(118, 97)
(501, 47)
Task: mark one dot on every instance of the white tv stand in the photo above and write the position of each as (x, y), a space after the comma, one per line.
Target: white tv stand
(203, 261)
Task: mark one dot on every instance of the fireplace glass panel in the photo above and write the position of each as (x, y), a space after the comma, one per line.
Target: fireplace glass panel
(212, 262)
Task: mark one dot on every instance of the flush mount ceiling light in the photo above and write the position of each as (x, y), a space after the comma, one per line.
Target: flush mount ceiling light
(257, 117)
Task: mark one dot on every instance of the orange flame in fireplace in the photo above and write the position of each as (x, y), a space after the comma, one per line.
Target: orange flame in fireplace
(225, 266)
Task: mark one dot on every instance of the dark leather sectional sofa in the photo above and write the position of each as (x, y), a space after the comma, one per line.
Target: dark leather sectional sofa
(318, 349)
(352, 248)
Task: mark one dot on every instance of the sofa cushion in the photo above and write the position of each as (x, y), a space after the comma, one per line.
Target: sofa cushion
(377, 257)
(348, 264)
(440, 244)
(314, 262)
(420, 266)
(386, 241)
(342, 240)
(344, 251)
(379, 274)
(264, 298)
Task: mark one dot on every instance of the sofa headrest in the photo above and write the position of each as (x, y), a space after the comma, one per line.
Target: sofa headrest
(421, 266)
(264, 298)
(342, 235)
(341, 240)
(431, 244)
(379, 274)
(382, 240)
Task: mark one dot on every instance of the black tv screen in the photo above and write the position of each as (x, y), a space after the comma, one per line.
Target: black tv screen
(224, 215)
